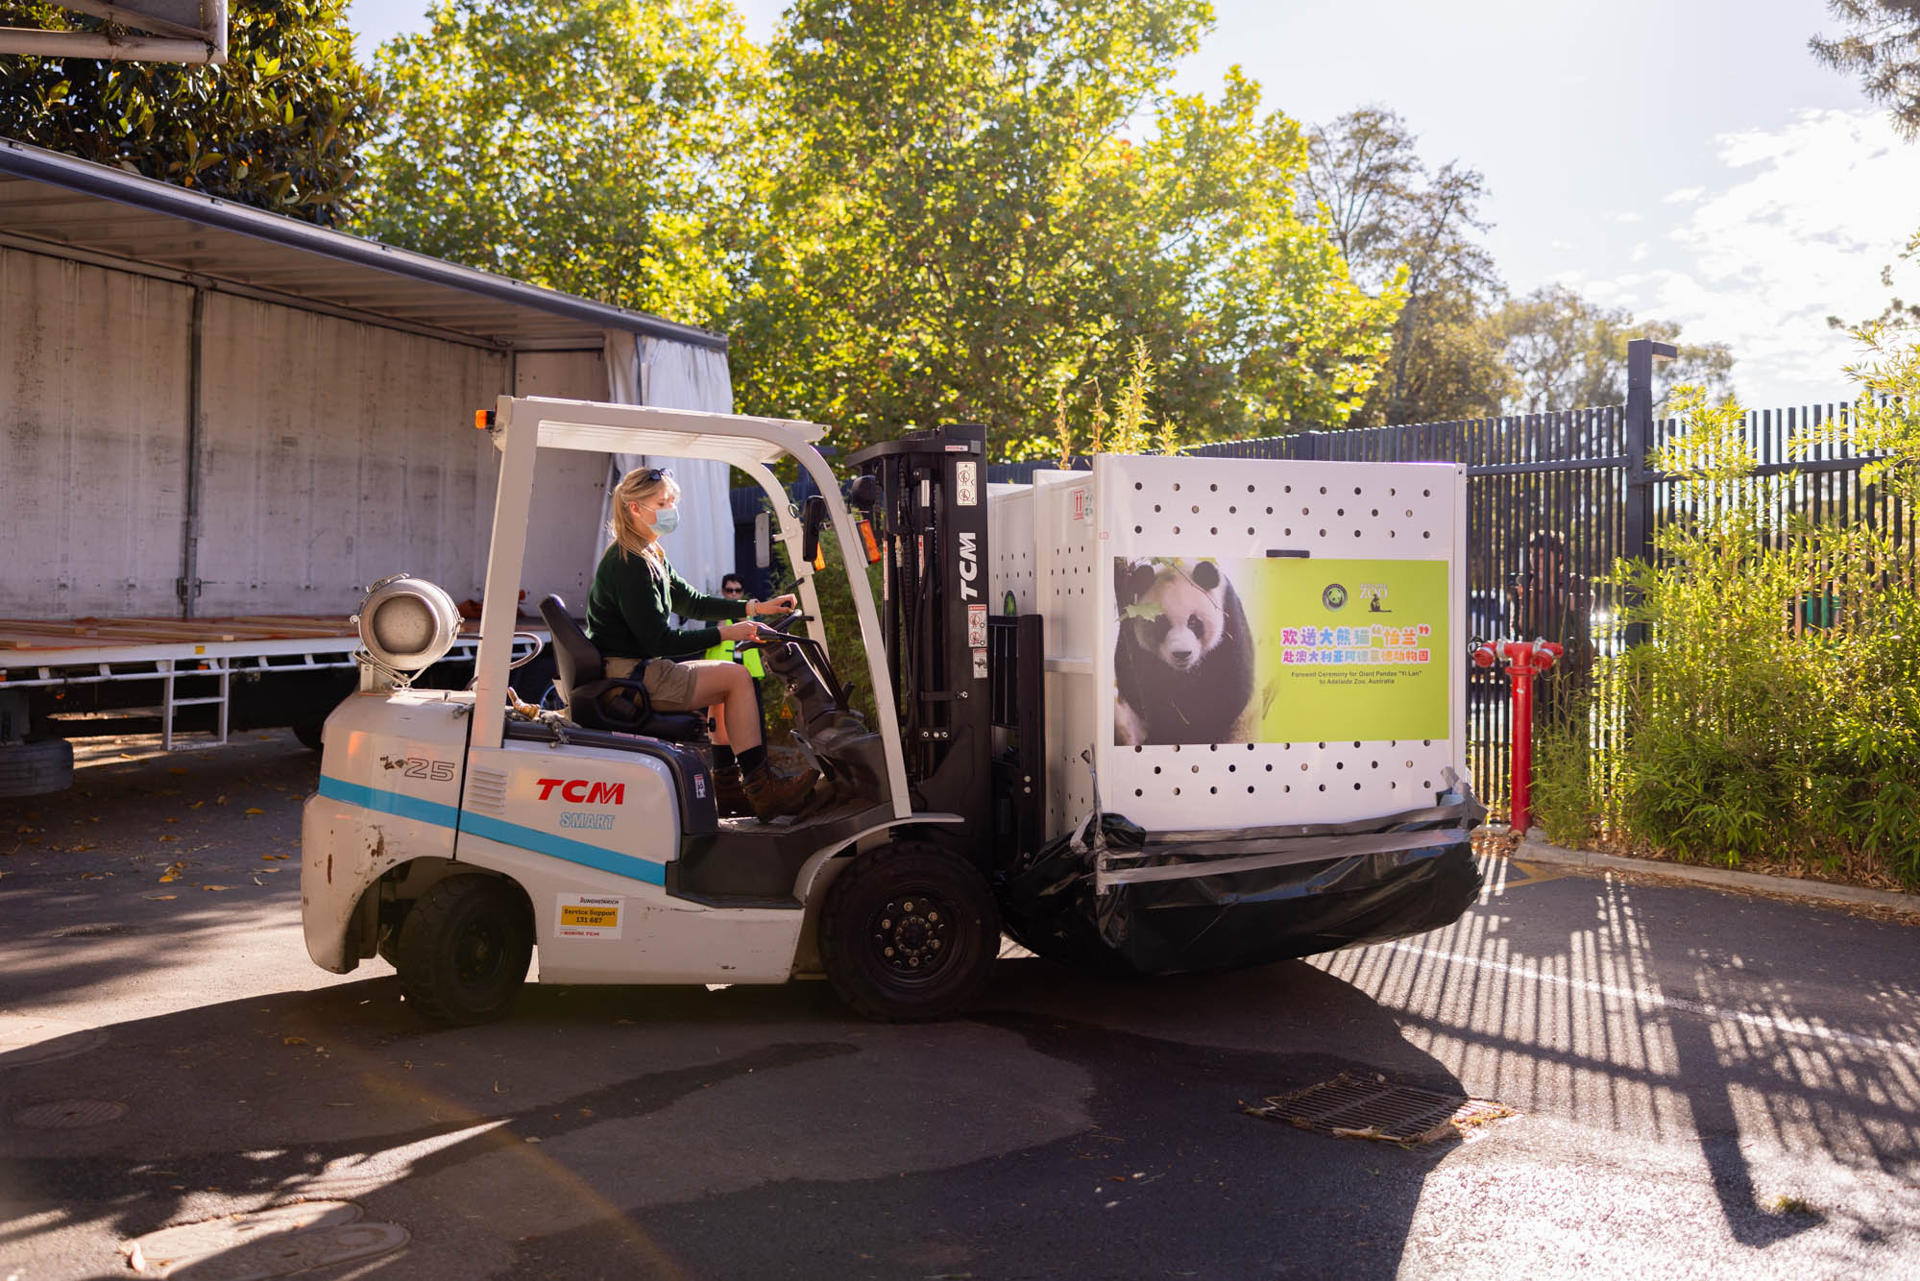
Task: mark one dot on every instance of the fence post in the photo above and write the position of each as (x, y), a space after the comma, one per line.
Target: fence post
(1641, 353)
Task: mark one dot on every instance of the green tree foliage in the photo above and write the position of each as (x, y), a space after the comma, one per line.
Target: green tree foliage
(601, 147)
(1403, 227)
(963, 223)
(276, 127)
(1776, 706)
(1881, 44)
(1566, 352)
(900, 212)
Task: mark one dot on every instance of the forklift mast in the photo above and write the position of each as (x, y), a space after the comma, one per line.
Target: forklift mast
(926, 495)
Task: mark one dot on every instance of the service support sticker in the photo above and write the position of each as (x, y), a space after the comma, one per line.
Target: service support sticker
(979, 664)
(966, 484)
(977, 626)
(589, 916)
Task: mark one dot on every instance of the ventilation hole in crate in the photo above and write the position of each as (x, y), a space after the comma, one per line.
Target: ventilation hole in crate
(1176, 529)
(1426, 533)
(1288, 531)
(1156, 769)
(1214, 488)
(1232, 510)
(1428, 785)
(1213, 791)
(1393, 787)
(1249, 747)
(1138, 485)
(1391, 491)
(1356, 533)
(1269, 511)
(1176, 791)
(1156, 506)
(1139, 791)
(1176, 486)
(1323, 489)
(1375, 764)
(1196, 769)
(1196, 509)
(1356, 787)
(1339, 511)
(1425, 742)
(1232, 768)
(1216, 529)
(1376, 511)
(1426, 493)
(1339, 764)
(1285, 788)
(1269, 767)
(1392, 534)
(1303, 767)
(1213, 747)
(1249, 529)
(1285, 489)
(1306, 511)
(1356, 489)
(1323, 787)
(1136, 529)
(1323, 533)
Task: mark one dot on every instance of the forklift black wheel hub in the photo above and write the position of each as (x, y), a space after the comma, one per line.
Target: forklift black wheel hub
(912, 934)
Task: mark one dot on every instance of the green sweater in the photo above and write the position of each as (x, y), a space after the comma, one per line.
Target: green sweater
(628, 605)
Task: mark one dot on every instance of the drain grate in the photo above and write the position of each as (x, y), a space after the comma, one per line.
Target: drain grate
(69, 1114)
(1352, 1107)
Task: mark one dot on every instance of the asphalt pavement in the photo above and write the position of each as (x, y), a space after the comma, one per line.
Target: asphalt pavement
(1701, 1084)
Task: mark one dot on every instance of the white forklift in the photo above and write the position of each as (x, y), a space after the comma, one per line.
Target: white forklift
(454, 832)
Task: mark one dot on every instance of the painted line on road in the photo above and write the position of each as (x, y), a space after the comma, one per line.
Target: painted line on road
(1648, 997)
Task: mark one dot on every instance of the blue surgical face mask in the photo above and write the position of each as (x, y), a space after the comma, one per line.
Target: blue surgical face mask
(666, 519)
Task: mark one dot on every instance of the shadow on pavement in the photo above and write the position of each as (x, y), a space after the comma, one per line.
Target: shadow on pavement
(1077, 1127)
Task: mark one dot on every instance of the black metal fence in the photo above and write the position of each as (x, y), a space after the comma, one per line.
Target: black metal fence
(1555, 499)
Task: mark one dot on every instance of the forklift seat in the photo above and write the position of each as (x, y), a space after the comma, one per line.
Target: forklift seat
(595, 702)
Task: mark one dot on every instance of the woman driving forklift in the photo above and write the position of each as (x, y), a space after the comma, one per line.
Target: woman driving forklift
(634, 590)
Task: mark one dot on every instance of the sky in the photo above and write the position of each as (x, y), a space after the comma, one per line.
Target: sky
(1689, 162)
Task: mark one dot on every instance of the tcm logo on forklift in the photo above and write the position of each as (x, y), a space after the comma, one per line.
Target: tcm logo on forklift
(580, 791)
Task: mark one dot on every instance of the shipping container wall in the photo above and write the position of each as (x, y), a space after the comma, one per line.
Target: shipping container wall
(335, 453)
(564, 533)
(93, 398)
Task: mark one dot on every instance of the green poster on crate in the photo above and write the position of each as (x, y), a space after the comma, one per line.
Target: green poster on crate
(1281, 650)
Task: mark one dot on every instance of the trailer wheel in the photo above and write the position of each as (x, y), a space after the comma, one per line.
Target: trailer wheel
(29, 769)
(464, 949)
(909, 932)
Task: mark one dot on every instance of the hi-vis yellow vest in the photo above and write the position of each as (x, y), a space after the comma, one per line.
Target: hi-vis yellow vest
(750, 660)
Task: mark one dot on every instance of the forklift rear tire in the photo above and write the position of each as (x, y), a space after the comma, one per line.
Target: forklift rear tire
(909, 932)
(464, 950)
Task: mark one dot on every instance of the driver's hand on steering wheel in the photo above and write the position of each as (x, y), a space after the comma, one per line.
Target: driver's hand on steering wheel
(739, 631)
(778, 605)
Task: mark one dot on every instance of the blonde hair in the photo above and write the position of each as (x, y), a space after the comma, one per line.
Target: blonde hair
(646, 486)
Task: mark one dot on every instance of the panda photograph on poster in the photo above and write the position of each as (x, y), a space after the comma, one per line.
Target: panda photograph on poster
(1216, 650)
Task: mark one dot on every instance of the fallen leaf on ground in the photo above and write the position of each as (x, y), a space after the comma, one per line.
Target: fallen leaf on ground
(293, 1040)
(160, 898)
(215, 888)
(252, 810)
(176, 769)
(271, 857)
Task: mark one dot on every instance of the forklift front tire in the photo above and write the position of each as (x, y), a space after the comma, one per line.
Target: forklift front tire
(909, 932)
(464, 950)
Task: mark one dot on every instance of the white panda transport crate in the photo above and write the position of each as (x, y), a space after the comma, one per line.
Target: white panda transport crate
(1351, 583)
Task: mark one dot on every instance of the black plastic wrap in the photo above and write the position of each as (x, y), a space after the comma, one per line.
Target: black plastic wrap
(1248, 916)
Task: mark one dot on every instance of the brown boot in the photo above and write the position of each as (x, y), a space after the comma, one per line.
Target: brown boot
(772, 794)
(729, 794)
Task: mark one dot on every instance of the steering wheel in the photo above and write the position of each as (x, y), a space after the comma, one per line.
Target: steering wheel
(780, 630)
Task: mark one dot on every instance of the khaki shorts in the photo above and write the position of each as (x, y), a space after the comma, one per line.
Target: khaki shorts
(668, 684)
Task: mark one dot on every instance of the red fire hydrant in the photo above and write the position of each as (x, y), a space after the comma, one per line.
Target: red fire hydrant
(1525, 660)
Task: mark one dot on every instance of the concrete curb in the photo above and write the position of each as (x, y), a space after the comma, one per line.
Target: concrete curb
(1533, 849)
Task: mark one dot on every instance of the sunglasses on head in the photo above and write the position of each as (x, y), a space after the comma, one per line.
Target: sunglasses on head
(653, 474)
